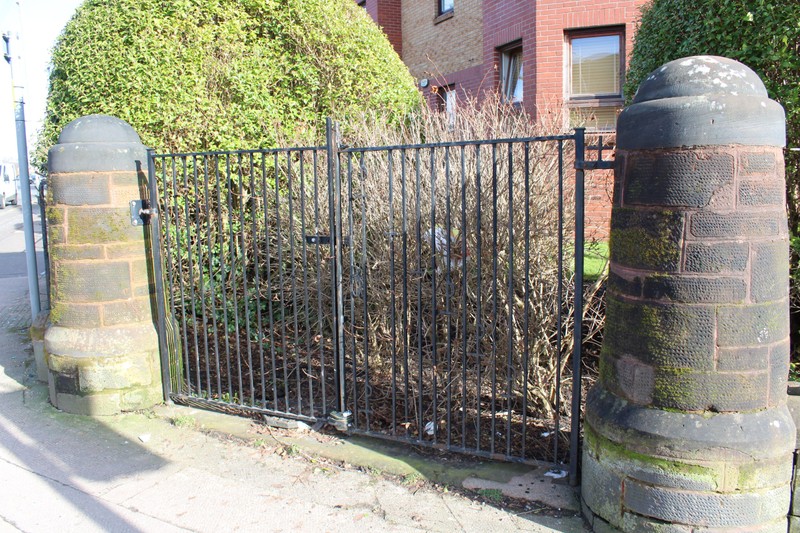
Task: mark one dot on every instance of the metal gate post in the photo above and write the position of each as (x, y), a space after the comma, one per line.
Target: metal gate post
(158, 274)
(575, 423)
(335, 214)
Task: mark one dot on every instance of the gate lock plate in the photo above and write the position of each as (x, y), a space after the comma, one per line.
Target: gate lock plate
(141, 212)
(318, 239)
(324, 239)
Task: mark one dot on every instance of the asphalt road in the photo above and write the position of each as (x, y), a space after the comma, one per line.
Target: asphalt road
(12, 241)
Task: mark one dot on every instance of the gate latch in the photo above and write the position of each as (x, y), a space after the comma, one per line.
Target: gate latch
(141, 212)
(324, 239)
(318, 239)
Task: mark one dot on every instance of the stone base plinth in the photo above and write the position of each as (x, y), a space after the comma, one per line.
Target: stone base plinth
(103, 371)
(37, 330)
(646, 469)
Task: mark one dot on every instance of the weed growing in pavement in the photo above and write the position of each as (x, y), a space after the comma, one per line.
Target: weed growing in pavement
(184, 421)
(493, 495)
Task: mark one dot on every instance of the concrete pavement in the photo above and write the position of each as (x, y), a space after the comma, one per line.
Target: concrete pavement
(164, 470)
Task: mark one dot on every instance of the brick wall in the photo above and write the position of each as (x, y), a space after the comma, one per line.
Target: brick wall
(386, 14)
(463, 50)
(437, 47)
(505, 23)
(466, 82)
(389, 18)
(548, 56)
(553, 19)
(598, 189)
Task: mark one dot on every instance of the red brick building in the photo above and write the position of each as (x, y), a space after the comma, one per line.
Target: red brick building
(549, 56)
(538, 53)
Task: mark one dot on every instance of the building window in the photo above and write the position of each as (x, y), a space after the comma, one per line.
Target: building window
(511, 74)
(445, 6)
(447, 103)
(595, 78)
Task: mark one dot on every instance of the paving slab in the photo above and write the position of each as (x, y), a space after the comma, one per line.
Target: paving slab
(171, 469)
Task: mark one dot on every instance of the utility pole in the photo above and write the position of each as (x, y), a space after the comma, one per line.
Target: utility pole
(25, 183)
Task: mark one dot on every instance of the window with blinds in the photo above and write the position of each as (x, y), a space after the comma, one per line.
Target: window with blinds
(595, 77)
(596, 67)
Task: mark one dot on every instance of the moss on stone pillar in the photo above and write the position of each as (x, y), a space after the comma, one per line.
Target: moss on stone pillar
(100, 346)
(687, 428)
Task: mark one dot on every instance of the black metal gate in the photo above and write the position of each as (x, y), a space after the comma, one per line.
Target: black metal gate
(423, 293)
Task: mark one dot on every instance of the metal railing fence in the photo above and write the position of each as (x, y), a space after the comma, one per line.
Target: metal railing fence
(424, 293)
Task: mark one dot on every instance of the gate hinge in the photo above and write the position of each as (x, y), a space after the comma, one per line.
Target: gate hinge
(141, 212)
(594, 165)
(340, 420)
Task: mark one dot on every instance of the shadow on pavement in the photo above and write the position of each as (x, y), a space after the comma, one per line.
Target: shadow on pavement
(78, 458)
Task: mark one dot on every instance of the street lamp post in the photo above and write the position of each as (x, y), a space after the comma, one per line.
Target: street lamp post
(25, 189)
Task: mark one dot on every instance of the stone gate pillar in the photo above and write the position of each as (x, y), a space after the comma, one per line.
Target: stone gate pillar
(101, 347)
(687, 428)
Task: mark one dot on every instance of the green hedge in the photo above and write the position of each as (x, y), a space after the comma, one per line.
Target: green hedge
(222, 74)
(762, 34)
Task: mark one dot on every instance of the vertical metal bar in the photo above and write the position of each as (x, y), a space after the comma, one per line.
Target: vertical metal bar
(365, 288)
(268, 253)
(335, 206)
(434, 310)
(464, 282)
(510, 354)
(479, 296)
(190, 279)
(323, 372)
(420, 271)
(392, 288)
(560, 299)
(223, 288)
(494, 297)
(211, 275)
(578, 313)
(351, 253)
(293, 276)
(234, 287)
(406, 320)
(447, 294)
(281, 301)
(158, 274)
(168, 262)
(527, 304)
(257, 279)
(201, 265)
(179, 274)
(304, 252)
(42, 201)
(245, 291)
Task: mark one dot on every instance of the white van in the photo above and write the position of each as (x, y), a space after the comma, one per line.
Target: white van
(9, 184)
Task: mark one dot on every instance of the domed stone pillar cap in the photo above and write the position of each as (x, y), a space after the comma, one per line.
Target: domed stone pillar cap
(98, 128)
(701, 101)
(97, 143)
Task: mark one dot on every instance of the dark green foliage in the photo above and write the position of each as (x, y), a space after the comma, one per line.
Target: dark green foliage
(762, 34)
(194, 75)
